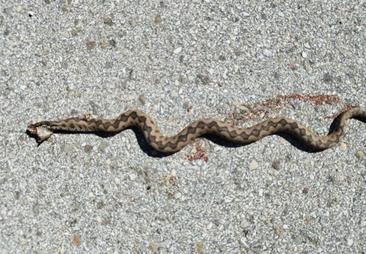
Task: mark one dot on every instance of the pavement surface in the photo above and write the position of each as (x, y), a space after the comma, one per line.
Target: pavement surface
(179, 61)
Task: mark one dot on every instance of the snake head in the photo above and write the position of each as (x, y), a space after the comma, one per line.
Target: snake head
(39, 133)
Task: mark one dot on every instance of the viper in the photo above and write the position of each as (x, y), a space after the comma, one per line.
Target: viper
(135, 118)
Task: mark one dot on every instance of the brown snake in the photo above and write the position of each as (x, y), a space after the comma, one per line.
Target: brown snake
(134, 118)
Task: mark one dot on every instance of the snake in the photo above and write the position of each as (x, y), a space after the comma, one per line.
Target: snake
(42, 130)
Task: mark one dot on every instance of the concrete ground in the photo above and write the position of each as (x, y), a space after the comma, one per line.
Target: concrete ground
(179, 61)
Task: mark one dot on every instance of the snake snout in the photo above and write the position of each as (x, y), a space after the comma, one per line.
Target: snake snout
(31, 130)
(40, 134)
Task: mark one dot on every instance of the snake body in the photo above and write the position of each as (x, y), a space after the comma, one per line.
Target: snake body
(135, 118)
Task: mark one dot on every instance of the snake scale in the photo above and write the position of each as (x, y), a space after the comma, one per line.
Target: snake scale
(135, 118)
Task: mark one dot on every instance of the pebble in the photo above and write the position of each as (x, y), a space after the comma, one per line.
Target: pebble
(360, 154)
(253, 165)
(343, 146)
(76, 240)
(157, 19)
(90, 44)
(108, 21)
(88, 148)
(153, 247)
(276, 164)
(103, 44)
(349, 242)
(267, 53)
(103, 146)
(132, 176)
(177, 50)
(245, 14)
(200, 247)
(142, 99)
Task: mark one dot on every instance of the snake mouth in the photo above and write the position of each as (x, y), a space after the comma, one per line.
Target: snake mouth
(33, 133)
(40, 134)
(31, 130)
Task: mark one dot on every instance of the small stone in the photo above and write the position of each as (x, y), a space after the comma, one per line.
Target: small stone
(162, 4)
(142, 99)
(349, 242)
(178, 50)
(17, 195)
(132, 176)
(75, 31)
(327, 78)
(253, 165)
(99, 220)
(204, 79)
(64, 8)
(173, 173)
(154, 247)
(276, 164)
(304, 54)
(276, 75)
(267, 53)
(157, 19)
(187, 107)
(6, 32)
(76, 240)
(305, 190)
(112, 42)
(200, 247)
(35, 208)
(293, 67)
(100, 205)
(343, 146)
(108, 65)
(108, 21)
(19, 8)
(278, 230)
(103, 44)
(90, 45)
(360, 154)
(88, 148)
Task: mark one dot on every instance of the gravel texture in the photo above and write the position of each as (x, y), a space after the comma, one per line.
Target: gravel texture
(179, 61)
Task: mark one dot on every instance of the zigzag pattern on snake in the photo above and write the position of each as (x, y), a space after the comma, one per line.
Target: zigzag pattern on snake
(135, 118)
